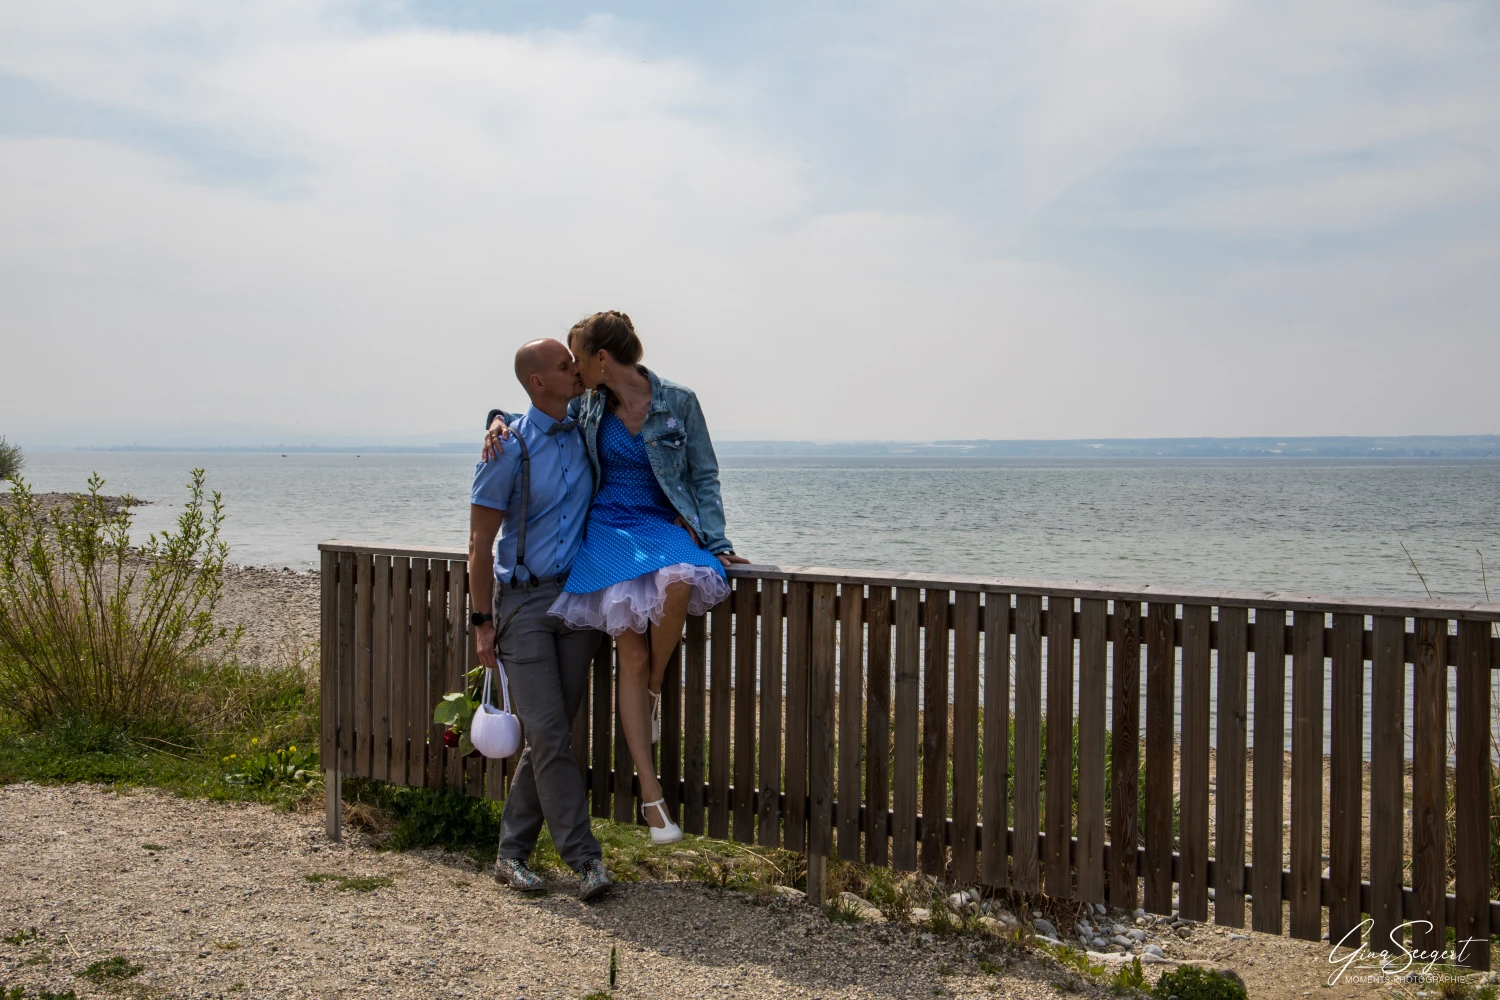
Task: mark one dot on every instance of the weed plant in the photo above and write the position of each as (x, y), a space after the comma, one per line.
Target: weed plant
(11, 459)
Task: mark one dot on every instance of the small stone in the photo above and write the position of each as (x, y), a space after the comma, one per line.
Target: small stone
(1239, 937)
(1099, 909)
(957, 900)
(1136, 935)
(920, 915)
(1155, 950)
(1098, 943)
(1138, 914)
(1121, 940)
(1184, 932)
(791, 895)
(867, 911)
(1044, 926)
(1142, 922)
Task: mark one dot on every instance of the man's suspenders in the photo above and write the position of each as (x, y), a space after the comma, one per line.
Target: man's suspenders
(521, 575)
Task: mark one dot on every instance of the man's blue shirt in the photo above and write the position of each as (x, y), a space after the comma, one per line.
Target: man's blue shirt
(562, 484)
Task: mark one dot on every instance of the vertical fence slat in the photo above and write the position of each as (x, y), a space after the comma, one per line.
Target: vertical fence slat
(1028, 750)
(1307, 775)
(965, 735)
(601, 760)
(1124, 786)
(1161, 666)
(380, 678)
(695, 673)
(1429, 795)
(1229, 769)
(670, 748)
(745, 641)
(798, 647)
(993, 866)
(935, 734)
(1387, 792)
(1346, 777)
(437, 665)
(851, 716)
(417, 713)
(476, 766)
(1059, 875)
(770, 712)
(624, 782)
(346, 663)
(1093, 650)
(1197, 679)
(878, 726)
(454, 630)
(720, 639)
(1270, 740)
(1473, 777)
(364, 611)
(820, 721)
(400, 668)
(328, 645)
(904, 774)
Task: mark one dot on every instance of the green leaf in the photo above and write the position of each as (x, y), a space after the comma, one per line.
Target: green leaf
(446, 713)
(464, 746)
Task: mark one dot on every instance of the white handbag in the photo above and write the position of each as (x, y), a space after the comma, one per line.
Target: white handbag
(495, 732)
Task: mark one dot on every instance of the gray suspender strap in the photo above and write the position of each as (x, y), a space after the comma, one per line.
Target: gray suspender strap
(516, 577)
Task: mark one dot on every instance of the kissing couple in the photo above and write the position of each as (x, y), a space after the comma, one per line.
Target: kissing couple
(605, 495)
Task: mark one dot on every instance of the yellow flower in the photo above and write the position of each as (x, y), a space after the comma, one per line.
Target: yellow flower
(291, 750)
(255, 741)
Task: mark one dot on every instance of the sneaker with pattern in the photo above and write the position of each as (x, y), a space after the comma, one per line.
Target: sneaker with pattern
(517, 874)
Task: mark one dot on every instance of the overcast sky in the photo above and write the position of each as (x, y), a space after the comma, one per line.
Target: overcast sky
(247, 222)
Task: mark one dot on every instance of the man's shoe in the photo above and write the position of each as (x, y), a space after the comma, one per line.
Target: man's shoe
(593, 880)
(518, 875)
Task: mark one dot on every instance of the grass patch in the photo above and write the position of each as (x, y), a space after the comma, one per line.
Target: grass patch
(110, 969)
(152, 847)
(20, 935)
(351, 883)
(1129, 978)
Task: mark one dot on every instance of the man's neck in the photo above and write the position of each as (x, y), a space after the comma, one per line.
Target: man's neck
(555, 409)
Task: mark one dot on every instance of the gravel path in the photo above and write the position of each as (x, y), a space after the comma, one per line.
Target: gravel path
(223, 909)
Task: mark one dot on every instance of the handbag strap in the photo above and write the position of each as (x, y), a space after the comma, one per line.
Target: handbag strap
(484, 699)
(484, 696)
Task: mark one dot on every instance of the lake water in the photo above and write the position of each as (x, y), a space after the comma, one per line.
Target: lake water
(1300, 525)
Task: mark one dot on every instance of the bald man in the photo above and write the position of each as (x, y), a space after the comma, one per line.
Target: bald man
(535, 493)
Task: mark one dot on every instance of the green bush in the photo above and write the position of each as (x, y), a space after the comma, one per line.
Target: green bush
(1129, 978)
(11, 459)
(1191, 982)
(92, 628)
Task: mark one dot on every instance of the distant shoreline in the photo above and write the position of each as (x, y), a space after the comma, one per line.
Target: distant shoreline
(1473, 446)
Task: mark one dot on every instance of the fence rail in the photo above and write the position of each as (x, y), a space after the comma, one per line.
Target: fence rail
(899, 719)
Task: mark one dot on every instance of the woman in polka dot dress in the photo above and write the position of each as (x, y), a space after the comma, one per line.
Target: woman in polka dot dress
(654, 548)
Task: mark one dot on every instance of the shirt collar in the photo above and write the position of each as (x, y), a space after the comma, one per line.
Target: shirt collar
(538, 419)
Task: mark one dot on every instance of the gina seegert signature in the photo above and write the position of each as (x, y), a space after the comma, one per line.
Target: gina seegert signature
(1362, 957)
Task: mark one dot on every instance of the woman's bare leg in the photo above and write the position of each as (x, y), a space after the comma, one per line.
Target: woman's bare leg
(664, 637)
(635, 714)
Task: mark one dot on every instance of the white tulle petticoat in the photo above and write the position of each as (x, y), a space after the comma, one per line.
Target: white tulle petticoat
(634, 604)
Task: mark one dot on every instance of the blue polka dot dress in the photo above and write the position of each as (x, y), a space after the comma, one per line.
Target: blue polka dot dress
(631, 548)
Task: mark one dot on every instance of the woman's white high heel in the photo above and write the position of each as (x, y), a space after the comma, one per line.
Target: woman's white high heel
(655, 715)
(671, 833)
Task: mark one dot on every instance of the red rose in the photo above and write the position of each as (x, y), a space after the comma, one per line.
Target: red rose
(450, 737)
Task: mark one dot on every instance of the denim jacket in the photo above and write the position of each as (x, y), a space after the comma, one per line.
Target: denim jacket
(679, 449)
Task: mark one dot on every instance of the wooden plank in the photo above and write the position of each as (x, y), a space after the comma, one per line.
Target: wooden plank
(1093, 652)
(1059, 874)
(694, 743)
(1346, 779)
(1197, 680)
(417, 712)
(474, 767)
(1307, 775)
(798, 649)
(935, 735)
(1028, 750)
(380, 676)
(328, 659)
(437, 669)
(364, 612)
(1229, 768)
(1270, 740)
(1429, 796)
(1161, 667)
(601, 764)
(745, 671)
(771, 658)
(400, 668)
(1387, 760)
(1124, 785)
(993, 855)
(908, 698)
(455, 628)
(965, 848)
(346, 630)
(1473, 769)
(851, 718)
(820, 721)
(670, 748)
(878, 726)
(720, 691)
(623, 793)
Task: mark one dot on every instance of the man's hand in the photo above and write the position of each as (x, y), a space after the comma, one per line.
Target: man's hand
(727, 559)
(498, 432)
(484, 644)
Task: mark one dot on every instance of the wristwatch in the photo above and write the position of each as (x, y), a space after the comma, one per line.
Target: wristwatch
(479, 618)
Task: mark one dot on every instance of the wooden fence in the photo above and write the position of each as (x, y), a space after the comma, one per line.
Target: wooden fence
(869, 716)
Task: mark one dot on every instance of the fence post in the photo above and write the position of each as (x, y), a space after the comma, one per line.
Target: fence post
(333, 804)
